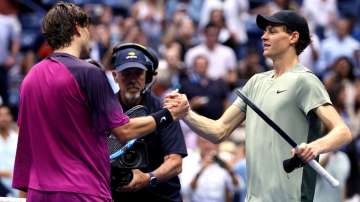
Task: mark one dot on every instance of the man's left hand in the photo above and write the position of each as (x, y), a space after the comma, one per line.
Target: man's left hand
(139, 181)
(306, 152)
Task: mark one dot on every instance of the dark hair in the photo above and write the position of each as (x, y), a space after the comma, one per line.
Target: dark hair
(302, 43)
(209, 26)
(59, 24)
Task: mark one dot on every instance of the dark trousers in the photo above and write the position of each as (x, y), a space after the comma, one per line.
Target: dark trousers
(4, 84)
(4, 191)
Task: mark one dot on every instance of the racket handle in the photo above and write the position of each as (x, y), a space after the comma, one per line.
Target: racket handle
(295, 162)
(321, 171)
(291, 164)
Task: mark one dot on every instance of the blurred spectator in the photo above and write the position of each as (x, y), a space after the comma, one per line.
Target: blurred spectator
(150, 14)
(186, 36)
(321, 14)
(16, 75)
(203, 178)
(338, 96)
(249, 66)
(338, 165)
(221, 58)
(240, 169)
(229, 16)
(207, 96)
(10, 31)
(353, 182)
(310, 55)
(174, 64)
(356, 110)
(8, 142)
(277, 5)
(339, 44)
(226, 36)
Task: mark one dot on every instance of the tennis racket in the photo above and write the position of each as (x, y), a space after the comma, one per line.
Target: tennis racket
(116, 149)
(291, 164)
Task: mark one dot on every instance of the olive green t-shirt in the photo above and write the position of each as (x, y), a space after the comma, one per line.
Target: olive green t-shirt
(289, 101)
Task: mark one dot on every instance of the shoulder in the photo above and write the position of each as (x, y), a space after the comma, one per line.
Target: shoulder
(304, 75)
(261, 75)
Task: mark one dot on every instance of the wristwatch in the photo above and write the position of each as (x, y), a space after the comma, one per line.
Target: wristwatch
(153, 180)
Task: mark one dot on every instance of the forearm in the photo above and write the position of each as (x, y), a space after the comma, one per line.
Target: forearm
(170, 168)
(207, 128)
(337, 137)
(137, 127)
(5, 173)
(15, 47)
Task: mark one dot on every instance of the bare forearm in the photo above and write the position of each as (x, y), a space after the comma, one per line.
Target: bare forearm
(338, 136)
(207, 128)
(4, 173)
(170, 168)
(216, 130)
(137, 127)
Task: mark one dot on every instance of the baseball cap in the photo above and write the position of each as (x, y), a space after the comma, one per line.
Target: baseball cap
(129, 58)
(290, 19)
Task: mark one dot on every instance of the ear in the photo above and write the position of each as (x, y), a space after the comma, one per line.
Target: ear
(294, 37)
(114, 73)
(77, 30)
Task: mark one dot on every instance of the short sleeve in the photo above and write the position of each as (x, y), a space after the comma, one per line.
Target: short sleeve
(311, 93)
(172, 139)
(104, 106)
(246, 90)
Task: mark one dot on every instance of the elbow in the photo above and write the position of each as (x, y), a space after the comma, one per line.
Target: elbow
(178, 168)
(123, 133)
(223, 133)
(218, 139)
(347, 135)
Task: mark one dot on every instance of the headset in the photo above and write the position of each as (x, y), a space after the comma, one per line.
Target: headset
(152, 62)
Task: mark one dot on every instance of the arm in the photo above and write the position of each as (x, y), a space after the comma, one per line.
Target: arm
(338, 135)
(169, 168)
(5, 173)
(135, 128)
(215, 130)
(140, 126)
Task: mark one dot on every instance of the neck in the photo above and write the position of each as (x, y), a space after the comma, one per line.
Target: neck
(211, 46)
(72, 50)
(4, 133)
(284, 62)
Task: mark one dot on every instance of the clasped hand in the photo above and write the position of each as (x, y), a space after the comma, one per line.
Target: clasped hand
(177, 104)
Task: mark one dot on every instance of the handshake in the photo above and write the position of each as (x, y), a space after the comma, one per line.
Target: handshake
(177, 104)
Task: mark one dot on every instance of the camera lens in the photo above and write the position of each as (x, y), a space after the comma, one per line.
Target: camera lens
(131, 158)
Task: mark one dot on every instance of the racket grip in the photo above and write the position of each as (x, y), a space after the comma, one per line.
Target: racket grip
(295, 162)
(292, 163)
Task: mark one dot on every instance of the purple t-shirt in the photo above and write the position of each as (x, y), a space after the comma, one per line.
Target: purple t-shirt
(66, 108)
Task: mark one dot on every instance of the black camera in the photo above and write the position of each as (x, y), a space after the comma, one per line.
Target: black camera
(135, 157)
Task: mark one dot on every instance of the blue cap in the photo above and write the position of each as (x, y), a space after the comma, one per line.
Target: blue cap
(129, 58)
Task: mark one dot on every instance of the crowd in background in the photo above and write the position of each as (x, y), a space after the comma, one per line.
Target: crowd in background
(207, 48)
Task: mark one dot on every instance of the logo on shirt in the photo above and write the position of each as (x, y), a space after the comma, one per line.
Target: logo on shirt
(280, 91)
(162, 119)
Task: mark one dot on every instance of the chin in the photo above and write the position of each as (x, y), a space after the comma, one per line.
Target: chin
(267, 54)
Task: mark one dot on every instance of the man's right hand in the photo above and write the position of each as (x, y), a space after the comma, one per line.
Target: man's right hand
(177, 104)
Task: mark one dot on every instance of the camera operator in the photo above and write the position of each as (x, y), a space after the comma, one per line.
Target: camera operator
(165, 147)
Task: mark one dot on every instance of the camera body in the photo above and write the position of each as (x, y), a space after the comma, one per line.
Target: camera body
(135, 157)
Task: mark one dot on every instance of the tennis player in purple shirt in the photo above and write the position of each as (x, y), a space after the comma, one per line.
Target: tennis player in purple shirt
(67, 108)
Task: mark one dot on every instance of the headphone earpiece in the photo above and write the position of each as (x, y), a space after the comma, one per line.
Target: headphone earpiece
(151, 63)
